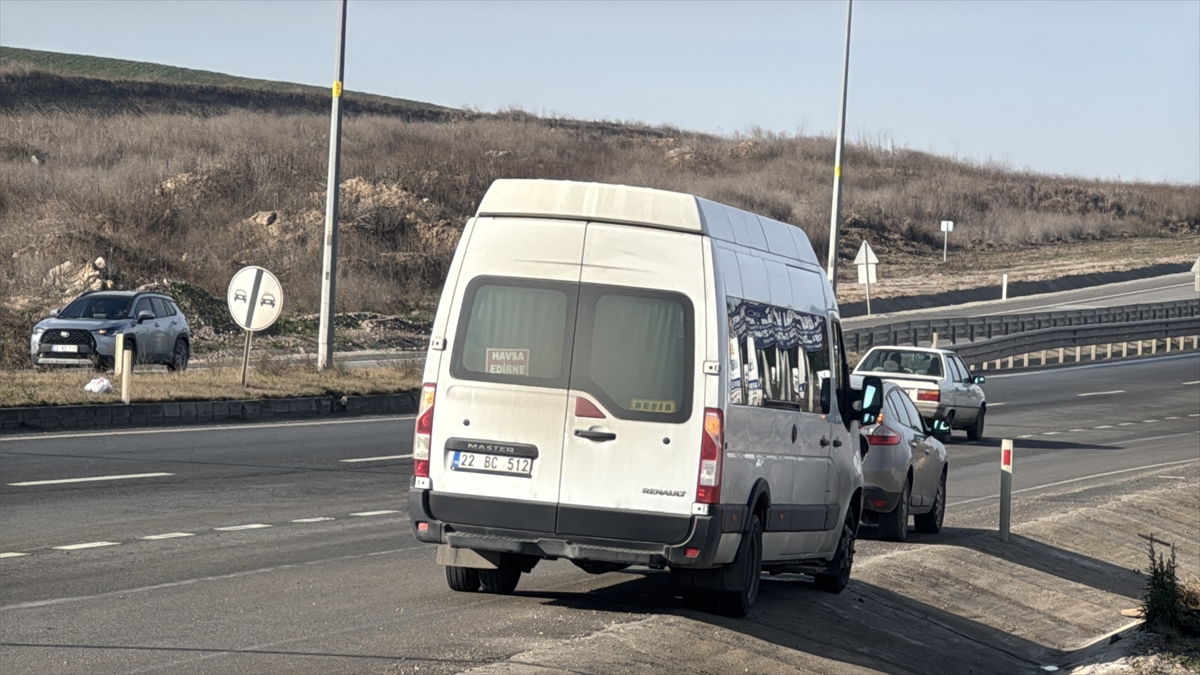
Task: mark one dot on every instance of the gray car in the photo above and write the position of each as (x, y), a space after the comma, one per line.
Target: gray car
(84, 332)
(904, 470)
(937, 381)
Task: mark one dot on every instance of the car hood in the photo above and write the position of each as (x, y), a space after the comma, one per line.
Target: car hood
(85, 324)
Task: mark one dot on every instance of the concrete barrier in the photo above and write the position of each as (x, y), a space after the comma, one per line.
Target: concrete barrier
(182, 413)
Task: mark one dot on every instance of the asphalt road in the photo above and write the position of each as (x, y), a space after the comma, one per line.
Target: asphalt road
(1166, 288)
(263, 549)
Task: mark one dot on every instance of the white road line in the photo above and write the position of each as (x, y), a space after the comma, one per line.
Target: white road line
(1054, 372)
(993, 405)
(13, 554)
(318, 519)
(1124, 424)
(1026, 436)
(206, 428)
(1075, 431)
(1149, 421)
(88, 480)
(1051, 433)
(1098, 297)
(1192, 382)
(1194, 415)
(376, 459)
(1103, 426)
(1172, 417)
(169, 535)
(1103, 393)
(373, 513)
(235, 528)
(1076, 480)
(90, 544)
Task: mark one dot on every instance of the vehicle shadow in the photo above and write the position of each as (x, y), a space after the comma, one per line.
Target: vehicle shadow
(866, 626)
(1033, 444)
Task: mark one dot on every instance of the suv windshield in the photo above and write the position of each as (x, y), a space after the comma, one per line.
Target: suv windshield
(632, 347)
(900, 361)
(98, 307)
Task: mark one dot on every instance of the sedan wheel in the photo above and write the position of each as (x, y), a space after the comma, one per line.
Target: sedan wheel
(975, 431)
(894, 526)
(931, 523)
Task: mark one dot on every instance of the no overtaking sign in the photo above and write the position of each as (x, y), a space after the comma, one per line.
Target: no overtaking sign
(255, 298)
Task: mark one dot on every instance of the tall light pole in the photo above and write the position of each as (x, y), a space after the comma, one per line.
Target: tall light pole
(329, 258)
(837, 159)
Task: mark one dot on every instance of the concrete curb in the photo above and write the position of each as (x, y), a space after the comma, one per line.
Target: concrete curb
(183, 413)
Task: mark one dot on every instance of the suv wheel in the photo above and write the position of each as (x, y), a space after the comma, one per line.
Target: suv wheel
(894, 526)
(462, 579)
(179, 357)
(503, 580)
(836, 576)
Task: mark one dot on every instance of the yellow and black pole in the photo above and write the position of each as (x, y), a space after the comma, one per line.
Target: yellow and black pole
(837, 159)
(329, 258)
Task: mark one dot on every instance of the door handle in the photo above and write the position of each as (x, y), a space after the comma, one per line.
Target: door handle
(596, 435)
(824, 442)
(795, 432)
(837, 442)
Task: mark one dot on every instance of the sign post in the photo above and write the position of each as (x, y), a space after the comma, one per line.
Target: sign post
(255, 299)
(1196, 272)
(947, 228)
(1006, 460)
(866, 260)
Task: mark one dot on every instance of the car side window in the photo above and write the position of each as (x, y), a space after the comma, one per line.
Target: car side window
(966, 372)
(159, 310)
(896, 410)
(170, 306)
(143, 305)
(914, 416)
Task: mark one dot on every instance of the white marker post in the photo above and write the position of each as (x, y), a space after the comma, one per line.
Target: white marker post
(1004, 287)
(1006, 460)
(255, 300)
(947, 228)
(866, 260)
(1196, 271)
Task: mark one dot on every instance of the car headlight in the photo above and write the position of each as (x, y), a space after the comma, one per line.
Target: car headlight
(104, 331)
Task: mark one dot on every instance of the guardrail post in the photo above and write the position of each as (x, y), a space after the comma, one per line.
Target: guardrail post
(1169, 341)
(1061, 352)
(1077, 348)
(933, 340)
(1006, 460)
(1124, 349)
(1140, 347)
(1154, 346)
(1093, 352)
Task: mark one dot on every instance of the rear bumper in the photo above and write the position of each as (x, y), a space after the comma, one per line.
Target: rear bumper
(872, 494)
(630, 538)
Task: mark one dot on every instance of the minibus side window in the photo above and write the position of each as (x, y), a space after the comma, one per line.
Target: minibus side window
(783, 356)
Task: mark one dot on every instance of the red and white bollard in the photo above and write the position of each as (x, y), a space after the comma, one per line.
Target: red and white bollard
(1006, 461)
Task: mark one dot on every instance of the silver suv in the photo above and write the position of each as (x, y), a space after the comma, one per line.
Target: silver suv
(84, 332)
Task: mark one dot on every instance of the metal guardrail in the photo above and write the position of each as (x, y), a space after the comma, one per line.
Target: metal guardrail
(970, 329)
(979, 353)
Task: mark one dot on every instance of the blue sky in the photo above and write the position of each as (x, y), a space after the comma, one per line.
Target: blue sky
(1093, 89)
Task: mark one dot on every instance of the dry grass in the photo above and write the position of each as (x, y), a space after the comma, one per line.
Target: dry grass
(272, 378)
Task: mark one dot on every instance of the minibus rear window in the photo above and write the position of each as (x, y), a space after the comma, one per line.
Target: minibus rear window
(635, 354)
(515, 331)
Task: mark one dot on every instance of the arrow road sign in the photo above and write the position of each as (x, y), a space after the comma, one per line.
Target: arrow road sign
(866, 256)
(255, 298)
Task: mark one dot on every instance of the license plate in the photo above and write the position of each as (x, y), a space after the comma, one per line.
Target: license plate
(64, 348)
(483, 463)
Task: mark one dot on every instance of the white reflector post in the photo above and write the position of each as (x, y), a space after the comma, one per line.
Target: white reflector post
(1006, 460)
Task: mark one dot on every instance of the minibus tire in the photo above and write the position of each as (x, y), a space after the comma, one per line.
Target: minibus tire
(740, 578)
(837, 575)
(462, 579)
(503, 580)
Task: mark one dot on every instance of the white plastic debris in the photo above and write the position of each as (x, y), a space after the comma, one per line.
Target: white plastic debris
(100, 385)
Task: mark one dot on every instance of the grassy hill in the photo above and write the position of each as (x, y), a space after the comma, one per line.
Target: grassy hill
(169, 173)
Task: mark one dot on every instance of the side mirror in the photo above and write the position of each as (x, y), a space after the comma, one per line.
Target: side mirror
(54, 312)
(145, 315)
(869, 400)
(826, 387)
(979, 379)
(941, 427)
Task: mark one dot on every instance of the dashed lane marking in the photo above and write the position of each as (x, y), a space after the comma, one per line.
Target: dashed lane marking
(12, 554)
(373, 513)
(1172, 417)
(1026, 436)
(89, 480)
(1103, 393)
(90, 544)
(1075, 431)
(235, 528)
(1124, 424)
(1103, 426)
(1077, 480)
(375, 459)
(1149, 421)
(1051, 433)
(1194, 415)
(1192, 382)
(169, 535)
(993, 405)
(318, 519)
(207, 428)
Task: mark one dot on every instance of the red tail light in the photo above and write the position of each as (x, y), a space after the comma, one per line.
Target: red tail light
(712, 450)
(883, 436)
(934, 395)
(422, 439)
